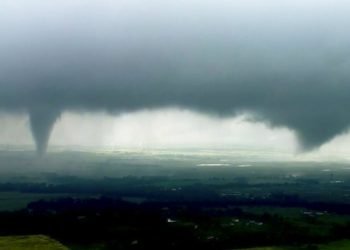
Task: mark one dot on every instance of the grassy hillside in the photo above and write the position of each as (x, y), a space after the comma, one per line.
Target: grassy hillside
(33, 242)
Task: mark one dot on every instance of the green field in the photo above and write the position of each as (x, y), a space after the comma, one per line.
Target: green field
(33, 242)
(214, 198)
(339, 245)
(10, 201)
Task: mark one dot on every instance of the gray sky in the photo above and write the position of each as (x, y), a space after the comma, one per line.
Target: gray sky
(285, 63)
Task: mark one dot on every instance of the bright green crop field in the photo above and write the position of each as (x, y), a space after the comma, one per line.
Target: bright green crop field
(32, 242)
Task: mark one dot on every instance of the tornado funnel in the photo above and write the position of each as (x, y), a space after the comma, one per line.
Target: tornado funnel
(42, 121)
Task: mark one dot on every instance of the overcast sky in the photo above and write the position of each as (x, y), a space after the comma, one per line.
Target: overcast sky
(285, 64)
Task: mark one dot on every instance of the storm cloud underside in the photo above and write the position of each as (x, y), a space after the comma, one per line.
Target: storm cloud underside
(285, 62)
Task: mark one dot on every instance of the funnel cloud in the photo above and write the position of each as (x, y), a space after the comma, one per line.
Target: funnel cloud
(285, 62)
(41, 124)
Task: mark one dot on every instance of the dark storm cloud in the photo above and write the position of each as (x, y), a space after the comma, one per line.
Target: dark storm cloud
(288, 63)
